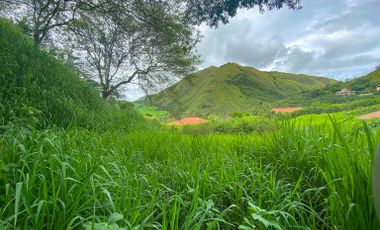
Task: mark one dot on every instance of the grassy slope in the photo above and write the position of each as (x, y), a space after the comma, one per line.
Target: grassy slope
(37, 88)
(362, 85)
(231, 88)
(309, 174)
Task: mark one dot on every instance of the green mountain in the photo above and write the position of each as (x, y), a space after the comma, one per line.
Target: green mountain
(363, 87)
(232, 88)
(365, 84)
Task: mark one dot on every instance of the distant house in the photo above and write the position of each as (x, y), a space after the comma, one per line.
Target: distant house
(378, 88)
(345, 92)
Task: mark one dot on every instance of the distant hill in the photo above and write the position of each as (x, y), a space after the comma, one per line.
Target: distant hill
(366, 83)
(361, 87)
(232, 88)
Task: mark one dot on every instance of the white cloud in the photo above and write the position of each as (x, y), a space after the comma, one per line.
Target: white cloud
(331, 38)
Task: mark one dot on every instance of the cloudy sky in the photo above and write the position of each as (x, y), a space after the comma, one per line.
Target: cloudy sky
(335, 38)
(339, 39)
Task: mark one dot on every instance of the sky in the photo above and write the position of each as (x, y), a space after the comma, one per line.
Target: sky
(339, 39)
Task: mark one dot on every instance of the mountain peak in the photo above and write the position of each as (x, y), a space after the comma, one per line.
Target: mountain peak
(232, 88)
(230, 65)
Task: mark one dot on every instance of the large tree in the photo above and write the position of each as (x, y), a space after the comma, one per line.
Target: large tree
(40, 17)
(141, 42)
(43, 16)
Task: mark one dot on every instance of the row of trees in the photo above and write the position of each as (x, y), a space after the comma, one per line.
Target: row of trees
(119, 42)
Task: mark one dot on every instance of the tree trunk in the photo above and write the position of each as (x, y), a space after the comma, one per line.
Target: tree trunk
(105, 94)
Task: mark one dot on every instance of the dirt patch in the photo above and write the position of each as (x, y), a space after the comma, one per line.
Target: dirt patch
(370, 115)
(188, 121)
(286, 110)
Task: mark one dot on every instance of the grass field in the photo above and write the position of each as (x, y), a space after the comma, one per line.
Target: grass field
(70, 160)
(299, 176)
(152, 112)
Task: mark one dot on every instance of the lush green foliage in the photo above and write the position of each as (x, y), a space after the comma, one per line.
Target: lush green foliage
(152, 112)
(212, 12)
(36, 89)
(242, 123)
(231, 87)
(317, 177)
(355, 107)
(310, 172)
(364, 88)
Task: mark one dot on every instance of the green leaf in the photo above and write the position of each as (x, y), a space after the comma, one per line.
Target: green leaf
(115, 217)
(267, 223)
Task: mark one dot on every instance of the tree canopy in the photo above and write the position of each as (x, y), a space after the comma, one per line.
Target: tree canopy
(40, 17)
(141, 42)
(214, 11)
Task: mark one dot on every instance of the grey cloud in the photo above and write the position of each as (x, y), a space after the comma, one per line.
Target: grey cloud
(236, 43)
(293, 59)
(339, 39)
(253, 51)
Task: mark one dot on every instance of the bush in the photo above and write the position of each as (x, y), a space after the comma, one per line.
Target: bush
(239, 115)
(246, 124)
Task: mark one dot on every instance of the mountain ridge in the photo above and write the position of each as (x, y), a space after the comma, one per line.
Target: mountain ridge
(232, 88)
(360, 86)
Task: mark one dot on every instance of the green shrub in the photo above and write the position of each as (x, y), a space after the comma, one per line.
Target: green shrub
(239, 115)
(246, 124)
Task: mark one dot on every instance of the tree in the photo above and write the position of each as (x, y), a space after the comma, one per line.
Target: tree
(42, 16)
(135, 42)
(214, 11)
(2, 6)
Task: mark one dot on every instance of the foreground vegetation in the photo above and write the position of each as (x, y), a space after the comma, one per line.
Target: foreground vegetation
(70, 160)
(299, 176)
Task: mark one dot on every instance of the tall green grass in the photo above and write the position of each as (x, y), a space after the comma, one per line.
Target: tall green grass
(300, 177)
